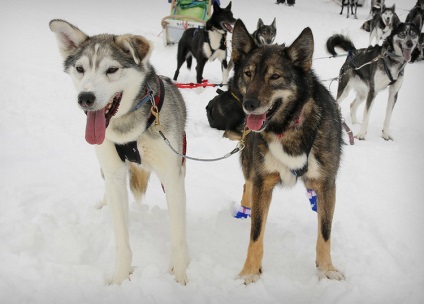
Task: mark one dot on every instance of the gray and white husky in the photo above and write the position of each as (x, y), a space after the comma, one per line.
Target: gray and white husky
(382, 24)
(369, 71)
(119, 91)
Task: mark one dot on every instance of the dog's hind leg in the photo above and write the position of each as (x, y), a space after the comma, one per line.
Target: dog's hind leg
(393, 95)
(261, 199)
(181, 58)
(354, 107)
(115, 172)
(326, 199)
(225, 71)
(138, 181)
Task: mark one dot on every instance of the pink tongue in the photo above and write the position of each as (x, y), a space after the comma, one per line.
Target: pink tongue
(96, 127)
(407, 55)
(255, 122)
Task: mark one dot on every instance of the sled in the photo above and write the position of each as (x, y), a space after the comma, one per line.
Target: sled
(184, 14)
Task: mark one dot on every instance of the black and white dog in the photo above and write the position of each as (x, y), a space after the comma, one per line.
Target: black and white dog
(352, 4)
(207, 43)
(382, 24)
(225, 111)
(368, 71)
(418, 9)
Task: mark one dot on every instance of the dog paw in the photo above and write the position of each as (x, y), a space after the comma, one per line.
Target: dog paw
(360, 136)
(180, 276)
(250, 278)
(330, 274)
(120, 276)
(387, 136)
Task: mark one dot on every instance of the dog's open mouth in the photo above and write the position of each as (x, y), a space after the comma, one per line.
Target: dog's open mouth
(406, 54)
(258, 123)
(228, 27)
(97, 121)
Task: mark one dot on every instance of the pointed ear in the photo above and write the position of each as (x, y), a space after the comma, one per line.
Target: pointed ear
(68, 36)
(242, 42)
(138, 47)
(396, 21)
(260, 23)
(216, 6)
(274, 23)
(302, 49)
(229, 6)
(394, 7)
(417, 21)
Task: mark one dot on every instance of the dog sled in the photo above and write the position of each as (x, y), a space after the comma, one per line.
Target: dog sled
(184, 14)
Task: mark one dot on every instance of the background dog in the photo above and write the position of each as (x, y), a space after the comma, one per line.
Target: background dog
(371, 70)
(296, 133)
(115, 84)
(382, 24)
(206, 44)
(418, 9)
(352, 4)
(264, 34)
(225, 111)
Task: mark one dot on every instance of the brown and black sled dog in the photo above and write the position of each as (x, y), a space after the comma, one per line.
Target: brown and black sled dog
(296, 134)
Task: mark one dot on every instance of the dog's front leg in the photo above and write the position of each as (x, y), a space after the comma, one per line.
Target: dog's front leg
(393, 95)
(116, 195)
(171, 173)
(225, 71)
(326, 199)
(261, 200)
(366, 117)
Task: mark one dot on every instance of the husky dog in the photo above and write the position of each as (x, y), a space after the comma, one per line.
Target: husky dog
(418, 53)
(382, 24)
(119, 90)
(418, 9)
(368, 71)
(352, 4)
(208, 43)
(264, 34)
(296, 134)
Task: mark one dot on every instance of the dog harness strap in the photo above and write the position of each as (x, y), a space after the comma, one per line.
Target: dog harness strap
(129, 151)
(158, 102)
(386, 69)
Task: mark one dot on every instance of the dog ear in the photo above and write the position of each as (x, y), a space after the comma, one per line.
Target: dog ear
(137, 46)
(260, 23)
(274, 23)
(68, 36)
(417, 21)
(216, 7)
(242, 42)
(302, 49)
(229, 6)
(395, 21)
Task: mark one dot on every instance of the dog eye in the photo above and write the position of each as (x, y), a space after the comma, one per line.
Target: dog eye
(275, 76)
(402, 34)
(112, 70)
(79, 69)
(248, 74)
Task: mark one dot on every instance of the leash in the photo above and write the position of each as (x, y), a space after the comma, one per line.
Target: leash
(239, 147)
(203, 84)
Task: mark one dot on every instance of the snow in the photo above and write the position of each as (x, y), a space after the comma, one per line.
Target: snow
(57, 247)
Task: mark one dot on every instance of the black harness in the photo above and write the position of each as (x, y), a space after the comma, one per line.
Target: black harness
(129, 151)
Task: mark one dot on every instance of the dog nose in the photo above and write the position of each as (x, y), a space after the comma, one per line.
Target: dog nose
(86, 99)
(409, 44)
(251, 104)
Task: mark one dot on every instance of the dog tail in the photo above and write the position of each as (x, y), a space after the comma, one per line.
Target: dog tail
(138, 181)
(339, 41)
